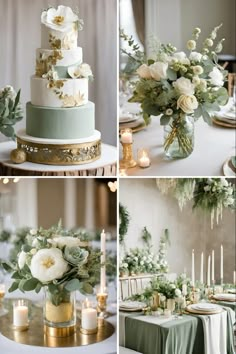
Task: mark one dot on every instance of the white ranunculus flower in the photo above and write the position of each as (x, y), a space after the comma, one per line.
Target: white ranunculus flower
(59, 19)
(33, 232)
(184, 86)
(195, 56)
(69, 241)
(196, 80)
(83, 70)
(177, 292)
(144, 72)
(197, 70)
(48, 264)
(188, 103)
(158, 70)
(182, 58)
(216, 77)
(22, 259)
(191, 44)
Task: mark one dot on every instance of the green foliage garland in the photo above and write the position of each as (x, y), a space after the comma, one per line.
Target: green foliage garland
(124, 222)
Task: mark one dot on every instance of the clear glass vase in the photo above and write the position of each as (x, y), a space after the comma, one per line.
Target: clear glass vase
(59, 313)
(179, 137)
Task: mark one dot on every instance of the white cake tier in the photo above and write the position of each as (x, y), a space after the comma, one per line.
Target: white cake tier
(63, 93)
(22, 135)
(53, 39)
(59, 57)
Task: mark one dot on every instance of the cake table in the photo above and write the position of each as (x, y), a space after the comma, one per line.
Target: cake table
(105, 166)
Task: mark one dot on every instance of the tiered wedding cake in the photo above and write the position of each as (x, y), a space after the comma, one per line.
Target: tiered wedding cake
(60, 121)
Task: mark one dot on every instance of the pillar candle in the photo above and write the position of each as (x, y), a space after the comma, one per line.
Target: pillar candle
(20, 316)
(103, 259)
(88, 318)
(209, 271)
(126, 138)
(213, 266)
(201, 270)
(193, 269)
(221, 263)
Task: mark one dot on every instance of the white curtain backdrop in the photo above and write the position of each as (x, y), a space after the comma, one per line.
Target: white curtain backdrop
(20, 35)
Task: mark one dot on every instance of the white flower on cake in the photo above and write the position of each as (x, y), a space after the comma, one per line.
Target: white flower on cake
(69, 40)
(73, 101)
(51, 75)
(184, 86)
(82, 70)
(48, 264)
(216, 76)
(59, 19)
(158, 70)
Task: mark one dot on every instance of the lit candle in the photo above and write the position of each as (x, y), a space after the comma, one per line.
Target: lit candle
(193, 269)
(184, 289)
(20, 314)
(209, 271)
(126, 137)
(213, 266)
(234, 277)
(2, 291)
(103, 259)
(88, 317)
(143, 158)
(201, 270)
(221, 263)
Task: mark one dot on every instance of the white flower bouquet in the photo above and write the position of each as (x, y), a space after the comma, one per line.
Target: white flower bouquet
(56, 260)
(11, 111)
(140, 261)
(175, 86)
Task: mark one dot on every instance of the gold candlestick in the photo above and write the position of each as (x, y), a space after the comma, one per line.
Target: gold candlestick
(102, 304)
(127, 160)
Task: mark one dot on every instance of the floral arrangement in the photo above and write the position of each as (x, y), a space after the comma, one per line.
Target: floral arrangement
(57, 260)
(10, 111)
(165, 288)
(140, 261)
(175, 85)
(5, 235)
(213, 195)
(162, 251)
(124, 222)
(210, 194)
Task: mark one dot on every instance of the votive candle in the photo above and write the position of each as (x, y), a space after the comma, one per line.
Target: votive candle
(126, 136)
(88, 317)
(20, 313)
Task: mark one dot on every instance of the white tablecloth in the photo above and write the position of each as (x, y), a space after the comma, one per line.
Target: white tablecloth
(107, 346)
(213, 146)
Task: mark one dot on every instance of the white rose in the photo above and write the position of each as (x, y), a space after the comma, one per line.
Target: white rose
(188, 103)
(22, 259)
(60, 19)
(184, 86)
(216, 77)
(177, 292)
(191, 44)
(144, 72)
(158, 70)
(67, 241)
(195, 56)
(48, 264)
(197, 69)
(182, 58)
(33, 232)
(196, 80)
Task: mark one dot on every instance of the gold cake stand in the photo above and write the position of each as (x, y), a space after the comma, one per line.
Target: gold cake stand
(35, 336)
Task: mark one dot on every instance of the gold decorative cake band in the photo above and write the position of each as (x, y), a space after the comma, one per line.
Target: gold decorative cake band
(50, 154)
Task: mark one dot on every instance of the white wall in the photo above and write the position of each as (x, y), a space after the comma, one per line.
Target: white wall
(188, 230)
(172, 21)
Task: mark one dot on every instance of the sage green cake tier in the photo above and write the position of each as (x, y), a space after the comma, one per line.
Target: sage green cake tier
(60, 123)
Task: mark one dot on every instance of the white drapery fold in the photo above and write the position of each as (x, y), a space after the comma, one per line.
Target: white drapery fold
(20, 35)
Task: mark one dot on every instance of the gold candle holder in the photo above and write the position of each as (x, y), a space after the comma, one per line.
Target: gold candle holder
(127, 145)
(102, 304)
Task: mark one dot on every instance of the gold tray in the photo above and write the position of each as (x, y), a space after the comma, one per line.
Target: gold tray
(35, 336)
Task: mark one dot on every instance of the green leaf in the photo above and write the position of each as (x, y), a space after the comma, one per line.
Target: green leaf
(8, 131)
(72, 285)
(17, 100)
(13, 287)
(151, 61)
(38, 288)
(171, 74)
(7, 266)
(26, 248)
(30, 284)
(21, 285)
(6, 113)
(165, 119)
(16, 275)
(87, 288)
(53, 289)
(150, 108)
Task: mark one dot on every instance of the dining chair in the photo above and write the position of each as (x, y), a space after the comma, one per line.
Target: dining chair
(231, 83)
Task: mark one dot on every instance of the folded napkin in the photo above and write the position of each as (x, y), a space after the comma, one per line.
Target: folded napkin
(215, 333)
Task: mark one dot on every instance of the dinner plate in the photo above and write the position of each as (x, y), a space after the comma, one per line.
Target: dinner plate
(132, 304)
(223, 124)
(127, 118)
(232, 291)
(205, 307)
(228, 168)
(194, 310)
(225, 297)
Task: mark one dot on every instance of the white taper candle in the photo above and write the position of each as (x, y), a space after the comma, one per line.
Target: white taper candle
(201, 270)
(103, 260)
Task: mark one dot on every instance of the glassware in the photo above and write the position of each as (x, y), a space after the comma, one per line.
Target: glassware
(20, 315)
(144, 158)
(3, 311)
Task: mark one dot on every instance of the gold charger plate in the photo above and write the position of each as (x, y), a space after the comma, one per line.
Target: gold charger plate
(223, 124)
(35, 336)
(196, 312)
(126, 309)
(225, 300)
